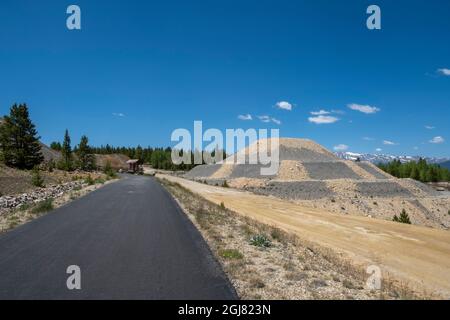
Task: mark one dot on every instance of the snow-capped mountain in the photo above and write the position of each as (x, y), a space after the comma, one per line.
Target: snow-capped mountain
(384, 158)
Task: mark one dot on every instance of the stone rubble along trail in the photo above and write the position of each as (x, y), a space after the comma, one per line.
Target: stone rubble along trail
(9, 202)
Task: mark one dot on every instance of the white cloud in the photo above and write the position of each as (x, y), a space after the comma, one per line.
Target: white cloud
(378, 149)
(429, 127)
(323, 119)
(276, 121)
(437, 140)
(363, 108)
(321, 112)
(341, 147)
(267, 119)
(389, 143)
(118, 114)
(245, 117)
(284, 105)
(444, 71)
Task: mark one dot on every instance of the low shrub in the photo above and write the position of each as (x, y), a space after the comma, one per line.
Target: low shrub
(260, 240)
(89, 180)
(36, 178)
(43, 206)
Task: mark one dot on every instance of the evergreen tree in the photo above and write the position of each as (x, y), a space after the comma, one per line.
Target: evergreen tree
(403, 218)
(19, 140)
(36, 178)
(56, 146)
(85, 157)
(66, 151)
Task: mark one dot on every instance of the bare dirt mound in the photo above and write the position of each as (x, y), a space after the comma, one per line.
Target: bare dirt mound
(311, 174)
(117, 161)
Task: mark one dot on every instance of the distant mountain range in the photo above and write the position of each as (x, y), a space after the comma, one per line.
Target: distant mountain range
(384, 158)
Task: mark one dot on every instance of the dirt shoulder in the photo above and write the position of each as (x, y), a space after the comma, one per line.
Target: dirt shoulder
(413, 257)
(265, 262)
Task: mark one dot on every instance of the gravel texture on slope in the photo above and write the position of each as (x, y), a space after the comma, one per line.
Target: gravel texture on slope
(382, 189)
(203, 171)
(329, 170)
(373, 171)
(306, 190)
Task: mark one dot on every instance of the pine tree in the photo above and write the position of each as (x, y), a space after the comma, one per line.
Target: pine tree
(403, 218)
(66, 151)
(85, 156)
(19, 140)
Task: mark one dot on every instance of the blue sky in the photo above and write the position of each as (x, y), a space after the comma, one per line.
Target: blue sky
(139, 69)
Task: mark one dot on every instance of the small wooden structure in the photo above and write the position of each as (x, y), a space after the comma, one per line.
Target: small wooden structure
(133, 165)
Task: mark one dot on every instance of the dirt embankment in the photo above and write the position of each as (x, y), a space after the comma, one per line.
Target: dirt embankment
(415, 256)
(279, 266)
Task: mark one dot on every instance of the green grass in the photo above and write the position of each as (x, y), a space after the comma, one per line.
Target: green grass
(89, 180)
(231, 254)
(43, 206)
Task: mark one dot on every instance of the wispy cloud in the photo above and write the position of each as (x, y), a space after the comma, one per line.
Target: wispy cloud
(323, 119)
(430, 127)
(118, 114)
(245, 117)
(389, 143)
(341, 147)
(437, 140)
(276, 121)
(368, 139)
(320, 112)
(363, 108)
(267, 119)
(444, 71)
(378, 149)
(284, 105)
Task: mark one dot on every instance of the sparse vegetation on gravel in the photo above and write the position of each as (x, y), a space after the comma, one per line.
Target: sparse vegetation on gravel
(290, 268)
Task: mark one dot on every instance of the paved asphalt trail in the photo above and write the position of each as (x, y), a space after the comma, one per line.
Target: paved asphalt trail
(130, 240)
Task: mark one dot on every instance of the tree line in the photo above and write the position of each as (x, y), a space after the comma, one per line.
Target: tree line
(20, 147)
(420, 170)
(158, 158)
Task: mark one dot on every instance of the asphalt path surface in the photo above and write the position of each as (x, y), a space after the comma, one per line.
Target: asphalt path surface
(130, 240)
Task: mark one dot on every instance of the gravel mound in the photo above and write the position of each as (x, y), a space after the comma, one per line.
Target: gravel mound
(382, 189)
(329, 171)
(202, 171)
(371, 170)
(249, 171)
(422, 187)
(304, 155)
(296, 190)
